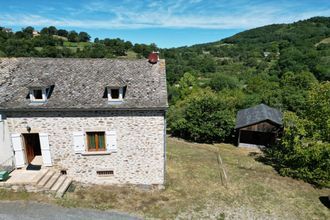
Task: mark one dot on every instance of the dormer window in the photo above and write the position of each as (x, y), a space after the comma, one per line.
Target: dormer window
(38, 94)
(115, 94)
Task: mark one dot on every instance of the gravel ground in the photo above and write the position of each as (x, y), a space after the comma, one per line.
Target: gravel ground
(31, 210)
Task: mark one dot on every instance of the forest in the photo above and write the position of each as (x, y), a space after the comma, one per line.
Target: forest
(286, 66)
(59, 43)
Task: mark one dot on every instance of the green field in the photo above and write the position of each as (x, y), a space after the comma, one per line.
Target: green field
(195, 190)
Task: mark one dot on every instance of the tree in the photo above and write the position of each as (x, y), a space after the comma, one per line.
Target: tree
(73, 36)
(28, 31)
(44, 31)
(62, 33)
(318, 110)
(202, 117)
(221, 81)
(84, 37)
(299, 155)
(294, 89)
(52, 30)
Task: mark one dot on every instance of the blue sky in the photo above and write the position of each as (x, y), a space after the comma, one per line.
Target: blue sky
(168, 23)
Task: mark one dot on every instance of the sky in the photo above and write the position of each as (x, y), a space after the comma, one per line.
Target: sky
(170, 23)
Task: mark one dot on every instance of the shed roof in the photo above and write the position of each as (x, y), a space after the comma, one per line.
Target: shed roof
(256, 114)
(80, 83)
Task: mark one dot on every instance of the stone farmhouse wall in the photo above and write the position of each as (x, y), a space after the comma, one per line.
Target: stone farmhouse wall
(140, 156)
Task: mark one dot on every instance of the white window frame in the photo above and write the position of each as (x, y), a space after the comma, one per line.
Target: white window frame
(44, 95)
(80, 144)
(121, 94)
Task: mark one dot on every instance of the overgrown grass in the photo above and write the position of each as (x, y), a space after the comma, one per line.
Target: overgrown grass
(194, 189)
(76, 44)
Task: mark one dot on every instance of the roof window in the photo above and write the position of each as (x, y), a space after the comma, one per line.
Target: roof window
(115, 94)
(39, 94)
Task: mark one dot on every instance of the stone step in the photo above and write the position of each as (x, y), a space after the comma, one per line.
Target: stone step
(45, 179)
(52, 181)
(39, 177)
(60, 192)
(58, 184)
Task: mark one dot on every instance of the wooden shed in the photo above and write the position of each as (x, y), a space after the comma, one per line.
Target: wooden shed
(258, 126)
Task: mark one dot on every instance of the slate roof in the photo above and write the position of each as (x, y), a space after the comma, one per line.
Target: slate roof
(257, 114)
(80, 83)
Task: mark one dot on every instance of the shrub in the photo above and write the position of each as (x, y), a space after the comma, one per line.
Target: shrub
(202, 117)
(299, 155)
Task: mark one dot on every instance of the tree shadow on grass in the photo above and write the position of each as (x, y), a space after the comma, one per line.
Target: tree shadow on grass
(265, 157)
(325, 200)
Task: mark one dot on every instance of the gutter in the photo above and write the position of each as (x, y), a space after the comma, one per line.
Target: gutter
(82, 109)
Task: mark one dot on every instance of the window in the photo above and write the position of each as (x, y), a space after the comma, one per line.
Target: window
(105, 173)
(96, 141)
(114, 93)
(37, 93)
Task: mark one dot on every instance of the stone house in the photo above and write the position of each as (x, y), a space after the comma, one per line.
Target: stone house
(99, 121)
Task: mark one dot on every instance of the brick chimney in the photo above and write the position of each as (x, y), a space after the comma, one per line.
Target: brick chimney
(153, 57)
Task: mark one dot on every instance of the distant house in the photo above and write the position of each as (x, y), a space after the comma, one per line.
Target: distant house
(99, 121)
(258, 126)
(35, 33)
(7, 30)
(266, 54)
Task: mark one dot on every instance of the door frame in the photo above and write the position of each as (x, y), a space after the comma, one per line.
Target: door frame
(25, 147)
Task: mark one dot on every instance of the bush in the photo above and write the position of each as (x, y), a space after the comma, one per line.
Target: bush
(2, 54)
(300, 156)
(202, 117)
(220, 81)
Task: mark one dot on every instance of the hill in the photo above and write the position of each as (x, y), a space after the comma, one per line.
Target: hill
(51, 42)
(280, 47)
(286, 66)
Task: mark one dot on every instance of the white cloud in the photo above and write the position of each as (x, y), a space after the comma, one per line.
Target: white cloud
(169, 14)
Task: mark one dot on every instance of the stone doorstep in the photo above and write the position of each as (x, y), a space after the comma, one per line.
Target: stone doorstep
(45, 179)
(38, 178)
(52, 181)
(58, 184)
(63, 188)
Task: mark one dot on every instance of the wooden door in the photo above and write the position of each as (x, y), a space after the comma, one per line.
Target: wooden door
(28, 148)
(32, 146)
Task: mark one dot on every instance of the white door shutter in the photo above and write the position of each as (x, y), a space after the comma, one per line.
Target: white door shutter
(16, 141)
(79, 142)
(111, 139)
(45, 150)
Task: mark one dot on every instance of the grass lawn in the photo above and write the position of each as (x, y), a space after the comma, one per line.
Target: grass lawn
(194, 189)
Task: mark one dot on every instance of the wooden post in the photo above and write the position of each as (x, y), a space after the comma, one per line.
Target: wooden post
(239, 137)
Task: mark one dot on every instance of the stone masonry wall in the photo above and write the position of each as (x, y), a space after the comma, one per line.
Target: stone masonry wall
(140, 156)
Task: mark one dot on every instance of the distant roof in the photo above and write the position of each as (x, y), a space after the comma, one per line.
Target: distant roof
(256, 114)
(81, 83)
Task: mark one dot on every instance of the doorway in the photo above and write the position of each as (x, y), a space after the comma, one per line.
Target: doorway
(32, 146)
